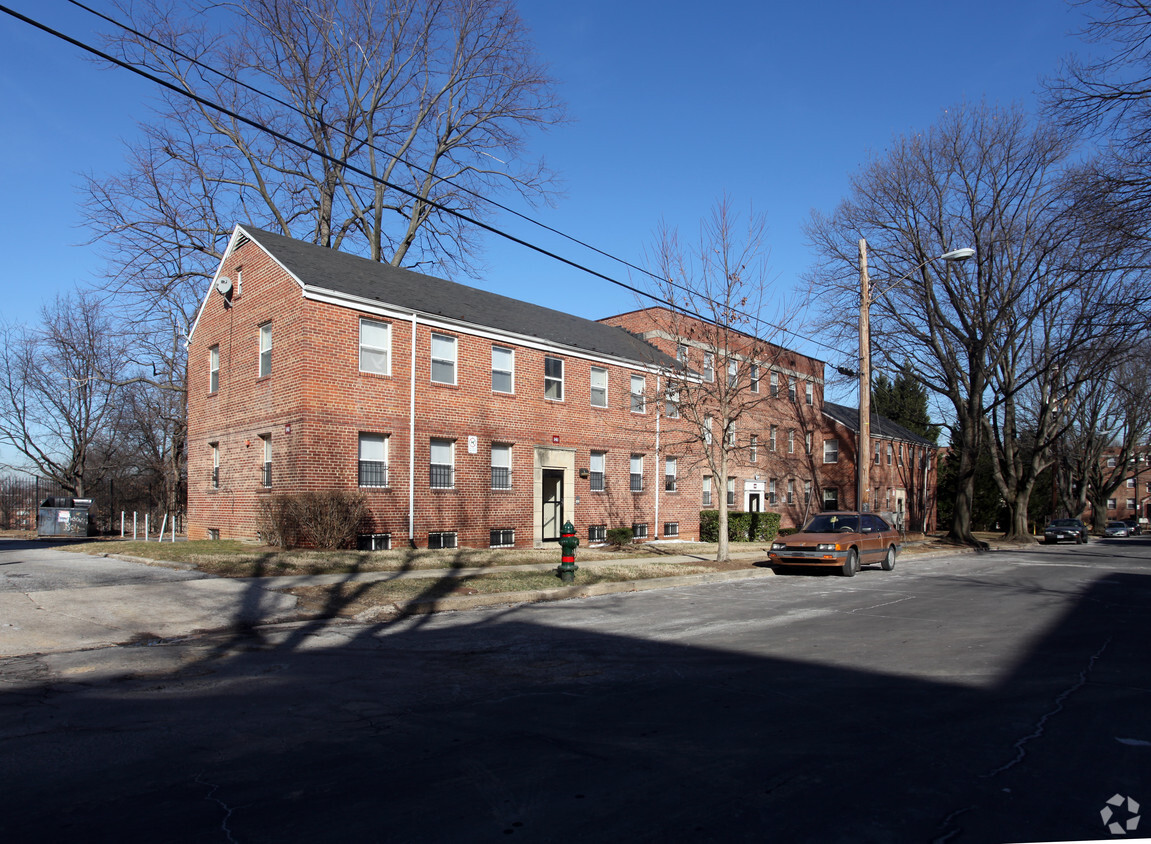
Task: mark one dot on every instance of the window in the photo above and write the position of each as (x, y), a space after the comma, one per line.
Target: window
(442, 464)
(213, 369)
(807, 492)
(375, 347)
(638, 403)
(443, 359)
(501, 466)
(670, 467)
(1110, 462)
(731, 492)
(708, 367)
(732, 374)
(753, 377)
(772, 437)
(729, 437)
(502, 538)
(215, 464)
(266, 476)
(889, 454)
(373, 460)
(878, 453)
(239, 281)
(773, 384)
(681, 354)
(671, 410)
(752, 448)
(597, 533)
(639, 531)
(899, 458)
(214, 534)
(670, 529)
(807, 443)
(553, 379)
(809, 393)
(1110, 503)
(1130, 483)
(503, 370)
(1130, 503)
(771, 494)
(598, 387)
(265, 349)
(374, 542)
(706, 485)
(790, 491)
(707, 430)
(442, 539)
(791, 441)
(791, 390)
(831, 451)
(830, 498)
(637, 473)
(598, 459)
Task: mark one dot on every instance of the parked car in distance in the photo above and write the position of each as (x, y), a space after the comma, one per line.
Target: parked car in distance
(1069, 530)
(1133, 527)
(841, 539)
(1116, 529)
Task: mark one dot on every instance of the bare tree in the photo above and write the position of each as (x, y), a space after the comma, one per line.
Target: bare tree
(983, 177)
(58, 404)
(716, 328)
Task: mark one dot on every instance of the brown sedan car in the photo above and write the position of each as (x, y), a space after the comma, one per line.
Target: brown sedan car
(841, 539)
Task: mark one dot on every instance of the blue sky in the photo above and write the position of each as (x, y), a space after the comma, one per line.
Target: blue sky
(673, 104)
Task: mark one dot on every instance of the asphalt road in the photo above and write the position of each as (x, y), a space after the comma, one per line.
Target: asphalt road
(995, 697)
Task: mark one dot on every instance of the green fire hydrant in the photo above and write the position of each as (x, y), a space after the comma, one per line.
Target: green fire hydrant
(568, 542)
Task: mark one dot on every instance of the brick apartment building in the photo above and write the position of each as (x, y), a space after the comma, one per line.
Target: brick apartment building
(469, 418)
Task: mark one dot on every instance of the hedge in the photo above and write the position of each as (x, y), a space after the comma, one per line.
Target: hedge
(741, 526)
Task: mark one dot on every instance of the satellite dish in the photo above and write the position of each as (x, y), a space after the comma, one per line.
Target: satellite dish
(224, 286)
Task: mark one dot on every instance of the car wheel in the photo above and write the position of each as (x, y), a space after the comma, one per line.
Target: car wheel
(851, 564)
(889, 560)
(1082, 540)
(1047, 540)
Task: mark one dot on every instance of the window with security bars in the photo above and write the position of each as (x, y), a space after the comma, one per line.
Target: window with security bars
(442, 539)
(442, 464)
(373, 460)
(670, 529)
(501, 466)
(637, 473)
(597, 533)
(374, 542)
(215, 465)
(596, 470)
(502, 538)
(639, 531)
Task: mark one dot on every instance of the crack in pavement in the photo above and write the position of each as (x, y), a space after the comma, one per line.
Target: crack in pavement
(227, 809)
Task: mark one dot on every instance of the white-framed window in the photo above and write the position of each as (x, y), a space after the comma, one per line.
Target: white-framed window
(1130, 483)
(899, 455)
(791, 389)
(373, 470)
(707, 430)
(681, 354)
(503, 370)
(501, 466)
(878, 453)
(265, 349)
(671, 529)
(636, 479)
(213, 369)
(773, 384)
(1130, 503)
(215, 464)
(442, 539)
(671, 406)
(502, 538)
(889, 454)
(1110, 462)
(705, 485)
(729, 437)
(773, 435)
(670, 472)
(598, 386)
(597, 533)
(443, 462)
(554, 378)
(1110, 503)
(732, 374)
(807, 492)
(831, 451)
(708, 367)
(771, 492)
(638, 401)
(443, 359)
(790, 491)
(752, 448)
(266, 471)
(807, 443)
(830, 498)
(596, 470)
(731, 492)
(375, 347)
(639, 531)
(809, 393)
(753, 377)
(239, 282)
(791, 441)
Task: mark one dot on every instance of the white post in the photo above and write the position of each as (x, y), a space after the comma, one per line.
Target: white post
(146, 515)
(121, 524)
(133, 525)
(173, 528)
(163, 525)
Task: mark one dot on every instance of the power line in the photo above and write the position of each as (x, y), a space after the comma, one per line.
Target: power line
(371, 177)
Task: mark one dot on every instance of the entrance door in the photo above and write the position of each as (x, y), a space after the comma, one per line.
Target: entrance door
(553, 504)
(753, 502)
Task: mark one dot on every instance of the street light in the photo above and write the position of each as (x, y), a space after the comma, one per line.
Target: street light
(863, 462)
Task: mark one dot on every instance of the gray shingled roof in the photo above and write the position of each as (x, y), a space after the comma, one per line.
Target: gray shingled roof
(340, 272)
(881, 426)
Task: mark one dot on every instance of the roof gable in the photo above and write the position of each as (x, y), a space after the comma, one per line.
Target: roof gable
(881, 426)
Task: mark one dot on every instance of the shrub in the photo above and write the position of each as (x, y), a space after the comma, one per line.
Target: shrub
(620, 536)
(741, 526)
(332, 518)
(276, 521)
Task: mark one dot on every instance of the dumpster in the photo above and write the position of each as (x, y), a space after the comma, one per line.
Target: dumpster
(64, 517)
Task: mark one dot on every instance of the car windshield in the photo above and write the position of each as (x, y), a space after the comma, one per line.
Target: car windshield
(1117, 524)
(1065, 523)
(831, 523)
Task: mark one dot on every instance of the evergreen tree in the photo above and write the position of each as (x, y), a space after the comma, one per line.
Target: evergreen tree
(904, 401)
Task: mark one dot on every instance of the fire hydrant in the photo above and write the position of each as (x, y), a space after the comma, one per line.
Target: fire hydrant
(568, 542)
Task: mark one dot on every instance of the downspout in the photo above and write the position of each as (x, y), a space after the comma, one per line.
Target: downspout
(412, 443)
(656, 530)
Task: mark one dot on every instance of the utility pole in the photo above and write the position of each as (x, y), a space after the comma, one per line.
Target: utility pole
(863, 458)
